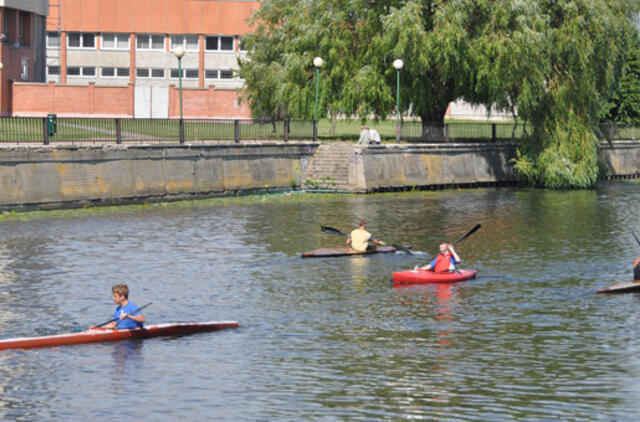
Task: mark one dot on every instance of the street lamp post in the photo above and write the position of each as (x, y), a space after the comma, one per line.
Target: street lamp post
(179, 53)
(397, 64)
(317, 62)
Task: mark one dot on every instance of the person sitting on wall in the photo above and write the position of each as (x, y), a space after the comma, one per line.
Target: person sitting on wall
(365, 136)
(374, 137)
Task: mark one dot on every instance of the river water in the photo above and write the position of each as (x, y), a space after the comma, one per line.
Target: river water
(329, 339)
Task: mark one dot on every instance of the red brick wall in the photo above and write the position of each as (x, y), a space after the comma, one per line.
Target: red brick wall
(37, 99)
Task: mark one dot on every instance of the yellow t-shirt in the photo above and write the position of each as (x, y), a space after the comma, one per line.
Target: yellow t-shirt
(360, 239)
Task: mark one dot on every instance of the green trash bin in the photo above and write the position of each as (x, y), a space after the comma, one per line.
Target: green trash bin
(52, 124)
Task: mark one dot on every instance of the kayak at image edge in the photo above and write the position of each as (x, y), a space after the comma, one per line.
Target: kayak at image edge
(621, 287)
(427, 276)
(100, 335)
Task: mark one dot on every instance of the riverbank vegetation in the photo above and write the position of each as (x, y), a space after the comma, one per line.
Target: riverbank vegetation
(558, 66)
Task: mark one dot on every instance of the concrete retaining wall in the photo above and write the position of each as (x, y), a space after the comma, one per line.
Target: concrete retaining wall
(51, 177)
(399, 166)
(66, 176)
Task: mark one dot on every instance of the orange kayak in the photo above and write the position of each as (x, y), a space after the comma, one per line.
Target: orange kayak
(100, 335)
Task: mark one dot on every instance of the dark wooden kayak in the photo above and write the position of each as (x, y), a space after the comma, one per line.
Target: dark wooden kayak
(621, 287)
(331, 252)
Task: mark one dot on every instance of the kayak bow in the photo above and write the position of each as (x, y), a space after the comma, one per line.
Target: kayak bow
(100, 335)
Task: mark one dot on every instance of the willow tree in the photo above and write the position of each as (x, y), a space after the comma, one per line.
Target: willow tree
(549, 62)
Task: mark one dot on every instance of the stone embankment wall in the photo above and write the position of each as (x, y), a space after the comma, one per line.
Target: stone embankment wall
(67, 176)
(402, 166)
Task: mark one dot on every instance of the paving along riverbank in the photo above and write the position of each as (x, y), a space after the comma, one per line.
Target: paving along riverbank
(58, 176)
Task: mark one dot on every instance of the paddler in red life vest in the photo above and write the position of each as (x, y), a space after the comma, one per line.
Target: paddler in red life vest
(359, 238)
(636, 270)
(444, 262)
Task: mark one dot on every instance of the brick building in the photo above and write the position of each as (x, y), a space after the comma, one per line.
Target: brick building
(22, 37)
(116, 58)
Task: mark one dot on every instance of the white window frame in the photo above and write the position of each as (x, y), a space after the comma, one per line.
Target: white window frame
(184, 73)
(217, 37)
(226, 70)
(173, 44)
(149, 38)
(233, 44)
(49, 37)
(81, 75)
(115, 72)
(212, 70)
(116, 40)
(150, 74)
(82, 37)
(53, 74)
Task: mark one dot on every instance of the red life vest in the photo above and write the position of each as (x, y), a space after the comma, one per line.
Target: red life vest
(443, 262)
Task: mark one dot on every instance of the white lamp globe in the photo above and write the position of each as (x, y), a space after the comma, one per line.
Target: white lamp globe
(178, 51)
(397, 64)
(318, 62)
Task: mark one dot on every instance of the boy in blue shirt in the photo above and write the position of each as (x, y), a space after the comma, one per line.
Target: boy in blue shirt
(125, 309)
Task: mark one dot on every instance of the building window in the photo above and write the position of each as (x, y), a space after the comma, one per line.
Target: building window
(53, 70)
(186, 73)
(115, 41)
(143, 72)
(211, 74)
(24, 29)
(226, 74)
(188, 42)
(53, 40)
(81, 40)
(211, 43)
(150, 42)
(242, 45)
(87, 71)
(115, 72)
(226, 43)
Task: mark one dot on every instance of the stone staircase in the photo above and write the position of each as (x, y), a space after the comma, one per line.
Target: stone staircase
(329, 167)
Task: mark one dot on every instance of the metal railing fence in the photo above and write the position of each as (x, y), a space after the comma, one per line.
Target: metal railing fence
(45, 130)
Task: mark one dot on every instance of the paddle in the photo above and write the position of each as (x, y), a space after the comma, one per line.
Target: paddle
(634, 235)
(116, 319)
(331, 230)
(469, 233)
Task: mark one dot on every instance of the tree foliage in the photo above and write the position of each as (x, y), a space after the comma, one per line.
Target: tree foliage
(551, 63)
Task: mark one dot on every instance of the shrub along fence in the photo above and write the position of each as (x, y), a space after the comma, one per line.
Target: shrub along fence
(48, 129)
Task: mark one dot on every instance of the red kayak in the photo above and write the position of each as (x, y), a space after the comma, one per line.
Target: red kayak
(426, 276)
(100, 335)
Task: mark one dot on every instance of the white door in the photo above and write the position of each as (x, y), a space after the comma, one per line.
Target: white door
(142, 102)
(160, 102)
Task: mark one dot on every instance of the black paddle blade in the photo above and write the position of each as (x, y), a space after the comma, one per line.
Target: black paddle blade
(331, 230)
(469, 233)
(634, 235)
(403, 249)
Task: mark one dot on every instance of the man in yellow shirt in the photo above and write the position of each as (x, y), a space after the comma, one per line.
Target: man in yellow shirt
(359, 238)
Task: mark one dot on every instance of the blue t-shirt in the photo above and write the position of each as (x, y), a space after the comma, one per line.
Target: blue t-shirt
(127, 309)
